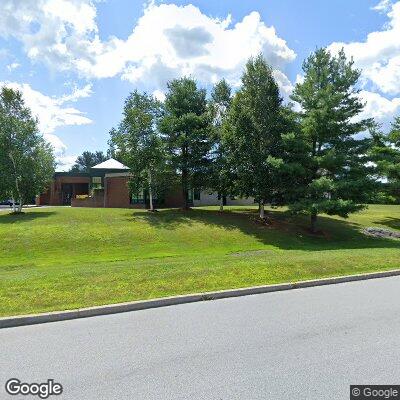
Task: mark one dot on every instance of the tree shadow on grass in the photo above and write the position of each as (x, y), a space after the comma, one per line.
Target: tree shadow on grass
(390, 222)
(7, 218)
(285, 231)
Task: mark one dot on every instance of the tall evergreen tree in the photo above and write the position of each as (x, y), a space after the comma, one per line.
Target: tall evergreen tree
(186, 128)
(385, 153)
(137, 142)
(393, 173)
(253, 135)
(337, 174)
(27, 161)
(222, 179)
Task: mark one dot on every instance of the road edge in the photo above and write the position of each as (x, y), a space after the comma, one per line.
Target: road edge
(31, 319)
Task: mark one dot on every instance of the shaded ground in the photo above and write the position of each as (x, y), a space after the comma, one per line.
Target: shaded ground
(58, 258)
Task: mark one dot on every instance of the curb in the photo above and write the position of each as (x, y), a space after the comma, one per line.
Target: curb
(9, 322)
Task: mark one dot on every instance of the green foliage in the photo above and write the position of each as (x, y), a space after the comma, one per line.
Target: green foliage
(221, 177)
(88, 160)
(337, 174)
(385, 153)
(137, 142)
(253, 133)
(27, 161)
(186, 127)
(394, 135)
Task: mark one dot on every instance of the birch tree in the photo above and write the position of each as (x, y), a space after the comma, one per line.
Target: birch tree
(137, 143)
(27, 161)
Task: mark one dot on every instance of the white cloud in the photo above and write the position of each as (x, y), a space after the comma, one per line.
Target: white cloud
(53, 31)
(168, 41)
(58, 145)
(77, 93)
(171, 40)
(284, 83)
(379, 55)
(64, 163)
(383, 5)
(50, 111)
(13, 66)
(159, 95)
(379, 108)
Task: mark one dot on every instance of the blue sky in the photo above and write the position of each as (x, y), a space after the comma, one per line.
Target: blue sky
(76, 60)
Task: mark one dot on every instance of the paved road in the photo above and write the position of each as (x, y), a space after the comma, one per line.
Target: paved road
(303, 344)
(8, 208)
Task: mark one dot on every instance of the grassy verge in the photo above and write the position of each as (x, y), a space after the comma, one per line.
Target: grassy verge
(62, 258)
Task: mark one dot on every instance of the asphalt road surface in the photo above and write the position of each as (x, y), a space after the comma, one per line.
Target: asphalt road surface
(301, 344)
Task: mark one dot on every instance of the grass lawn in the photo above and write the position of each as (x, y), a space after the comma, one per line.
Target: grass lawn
(64, 258)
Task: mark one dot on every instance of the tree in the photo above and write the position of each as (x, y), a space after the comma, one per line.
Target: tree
(27, 161)
(138, 143)
(393, 172)
(253, 134)
(385, 153)
(186, 127)
(222, 179)
(338, 177)
(88, 160)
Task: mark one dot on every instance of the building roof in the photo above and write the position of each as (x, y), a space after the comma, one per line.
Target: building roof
(110, 164)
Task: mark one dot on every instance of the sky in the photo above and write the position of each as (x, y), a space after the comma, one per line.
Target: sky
(76, 61)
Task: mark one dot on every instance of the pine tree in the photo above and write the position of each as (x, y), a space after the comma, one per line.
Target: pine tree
(88, 160)
(337, 178)
(222, 179)
(385, 153)
(253, 135)
(186, 127)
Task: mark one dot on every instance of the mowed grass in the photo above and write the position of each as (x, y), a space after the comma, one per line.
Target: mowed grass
(65, 258)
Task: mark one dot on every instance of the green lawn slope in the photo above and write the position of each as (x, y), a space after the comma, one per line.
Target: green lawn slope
(64, 258)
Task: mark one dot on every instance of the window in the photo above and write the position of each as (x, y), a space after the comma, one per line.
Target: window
(97, 182)
(138, 198)
(196, 194)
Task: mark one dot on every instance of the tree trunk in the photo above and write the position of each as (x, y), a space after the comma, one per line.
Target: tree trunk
(262, 212)
(185, 178)
(221, 203)
(313, 222)
(150, 192)
(185, 190)
(16, 185)
(14, 207)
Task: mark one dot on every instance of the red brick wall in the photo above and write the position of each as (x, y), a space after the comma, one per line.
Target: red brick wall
(43, 199)
(117, 192)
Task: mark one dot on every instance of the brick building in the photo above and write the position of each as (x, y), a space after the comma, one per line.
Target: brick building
(89, 189)
(106, 185)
